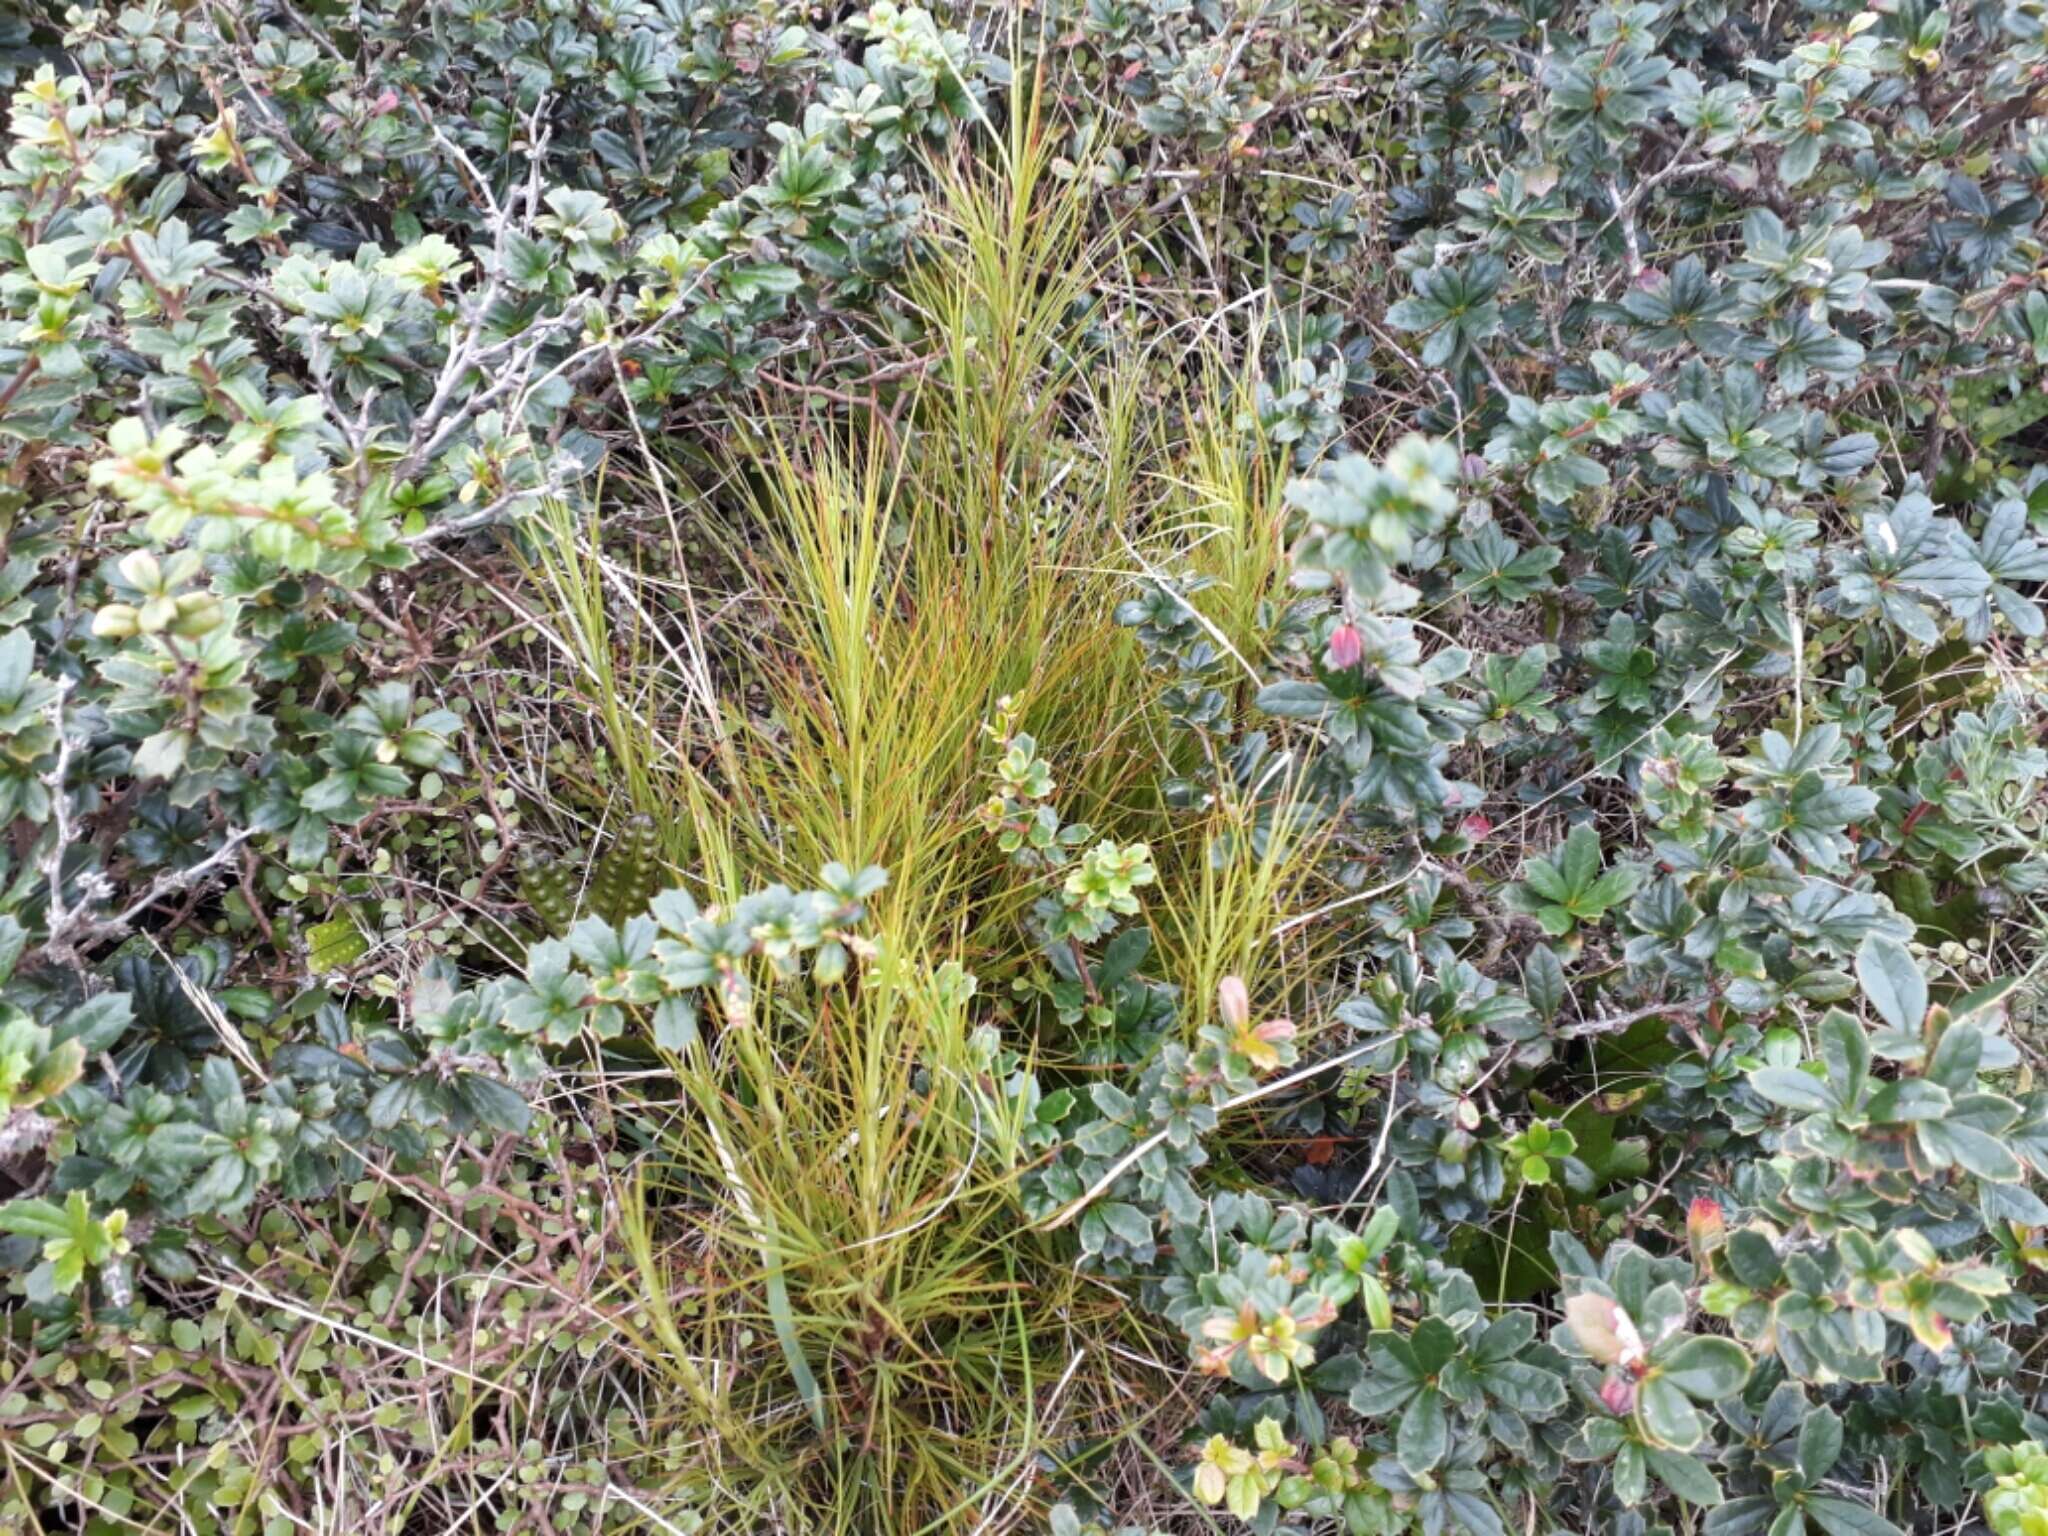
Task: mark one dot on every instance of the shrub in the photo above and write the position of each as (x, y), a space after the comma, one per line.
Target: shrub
(1752, 641)
(288, 306)
(1814, 1183)
(281, 319)
(1605, 1108)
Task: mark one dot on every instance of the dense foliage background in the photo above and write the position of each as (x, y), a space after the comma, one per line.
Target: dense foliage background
(1090, 765)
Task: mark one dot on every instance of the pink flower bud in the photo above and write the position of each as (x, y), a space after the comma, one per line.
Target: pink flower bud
(1705, 1227)
(1618, 1393)
(1606, 1333)
(1347, 648)
(1233, 1002)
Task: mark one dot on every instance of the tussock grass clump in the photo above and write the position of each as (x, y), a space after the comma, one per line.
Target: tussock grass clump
(861, 1331)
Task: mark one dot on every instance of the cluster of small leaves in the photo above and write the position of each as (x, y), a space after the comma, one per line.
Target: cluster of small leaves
(1255, 124)
(1301, 401)
(2017, 1501)
(133, 1114)
(483, 1264)
(1117, 1154)
(651, 968)
(1096, 890)
(1382, 710)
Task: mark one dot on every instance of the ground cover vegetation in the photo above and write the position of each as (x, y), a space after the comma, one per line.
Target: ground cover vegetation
(1096, 766)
